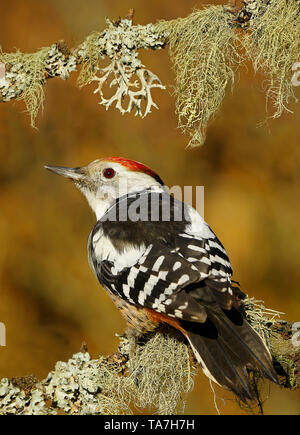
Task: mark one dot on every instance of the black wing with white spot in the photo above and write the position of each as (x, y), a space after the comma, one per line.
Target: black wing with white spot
(154, 262)
(163, 275)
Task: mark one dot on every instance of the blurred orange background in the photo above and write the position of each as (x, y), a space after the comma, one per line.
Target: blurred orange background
(50, 300)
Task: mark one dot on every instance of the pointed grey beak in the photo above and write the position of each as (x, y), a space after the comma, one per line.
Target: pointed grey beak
(75, 174)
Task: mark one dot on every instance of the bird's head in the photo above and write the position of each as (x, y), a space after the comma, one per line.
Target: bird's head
(104, 180)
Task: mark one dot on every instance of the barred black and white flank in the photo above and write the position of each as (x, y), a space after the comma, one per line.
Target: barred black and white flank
(160, 262)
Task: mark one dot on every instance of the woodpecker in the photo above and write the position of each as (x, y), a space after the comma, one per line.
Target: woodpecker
(160, 262)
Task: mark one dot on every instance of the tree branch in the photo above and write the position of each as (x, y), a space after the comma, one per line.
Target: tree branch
(23, 75)
(155, 371)
(204, 47)
(119, 41)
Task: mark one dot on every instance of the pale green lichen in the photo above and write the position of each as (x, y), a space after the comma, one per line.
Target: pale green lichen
(272, 45)
(25, 75)
(156, 373)
(277, 334)
(90, 54)
(24, 79)
(260, 317)
(204, 51)
(161, 373)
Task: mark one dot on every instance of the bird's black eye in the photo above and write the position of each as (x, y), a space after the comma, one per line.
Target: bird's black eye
(109, 172)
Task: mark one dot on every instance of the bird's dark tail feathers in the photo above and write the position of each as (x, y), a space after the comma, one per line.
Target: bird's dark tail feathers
(225, 346)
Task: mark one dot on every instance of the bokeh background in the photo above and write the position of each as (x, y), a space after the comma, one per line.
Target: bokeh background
(49, 299)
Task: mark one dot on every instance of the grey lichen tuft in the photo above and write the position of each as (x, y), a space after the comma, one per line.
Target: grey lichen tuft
(60, 62)
(132, 81)
(85, 386)
(23, 79)
(16, 400)
(24, 75)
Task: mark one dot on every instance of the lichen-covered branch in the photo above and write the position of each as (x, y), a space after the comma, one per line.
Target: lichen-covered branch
(22, 76)
(206, 48)
(154, 371)
(280, 338)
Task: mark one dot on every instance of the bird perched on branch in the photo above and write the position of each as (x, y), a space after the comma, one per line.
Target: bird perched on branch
(161, 263)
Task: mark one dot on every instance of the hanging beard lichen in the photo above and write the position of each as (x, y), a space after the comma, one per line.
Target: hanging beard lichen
(25, 77)
(161, 373)
(90, 54)
(273, 47)
(204, 51)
